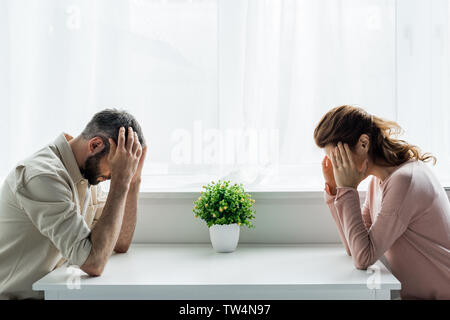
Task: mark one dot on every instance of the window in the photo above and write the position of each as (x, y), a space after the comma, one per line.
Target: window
(226, 89)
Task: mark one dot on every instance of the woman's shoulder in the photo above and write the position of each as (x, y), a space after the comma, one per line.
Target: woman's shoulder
(402, 175)
(405, 171)
(412, 176)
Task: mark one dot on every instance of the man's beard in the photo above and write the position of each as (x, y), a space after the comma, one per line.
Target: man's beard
(91, 170)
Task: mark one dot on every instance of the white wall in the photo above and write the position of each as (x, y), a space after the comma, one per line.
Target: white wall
(280, 218)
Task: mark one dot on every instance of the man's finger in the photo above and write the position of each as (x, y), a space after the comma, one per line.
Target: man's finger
(144, 151)
(130, 139)
(121, 138)
(139, 154)
(112, 147)
(136, 144)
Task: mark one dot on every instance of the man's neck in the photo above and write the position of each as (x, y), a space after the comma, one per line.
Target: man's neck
(77, 145)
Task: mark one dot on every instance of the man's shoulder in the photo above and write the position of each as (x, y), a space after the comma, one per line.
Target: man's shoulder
(43, 163)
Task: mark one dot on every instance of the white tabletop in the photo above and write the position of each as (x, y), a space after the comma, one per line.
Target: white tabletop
(324, 267)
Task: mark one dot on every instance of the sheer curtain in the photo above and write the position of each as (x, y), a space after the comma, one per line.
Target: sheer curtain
(63, 60)
(295, 59)
(224, 88)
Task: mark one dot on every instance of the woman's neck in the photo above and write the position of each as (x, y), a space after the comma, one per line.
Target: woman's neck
(381, 171)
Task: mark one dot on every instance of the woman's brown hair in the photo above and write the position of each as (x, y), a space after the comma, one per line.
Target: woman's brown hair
(348, 123)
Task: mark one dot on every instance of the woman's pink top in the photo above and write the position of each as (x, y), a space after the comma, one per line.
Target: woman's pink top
(407, 218)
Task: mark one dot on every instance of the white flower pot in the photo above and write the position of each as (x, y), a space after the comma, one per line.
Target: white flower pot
(224, 238)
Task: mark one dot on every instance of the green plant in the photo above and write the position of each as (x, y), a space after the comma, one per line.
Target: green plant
(225, 203)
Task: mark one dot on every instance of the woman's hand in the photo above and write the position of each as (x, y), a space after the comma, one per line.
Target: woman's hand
(345, 171)
(327, 170)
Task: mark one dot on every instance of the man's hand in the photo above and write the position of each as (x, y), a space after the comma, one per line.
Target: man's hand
(129, 219)
(327, 170)
(123, 161)
(137, 176)
(345, 171)
(124, 158)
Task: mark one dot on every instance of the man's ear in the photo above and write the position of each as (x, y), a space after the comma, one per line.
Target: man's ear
(95, 145)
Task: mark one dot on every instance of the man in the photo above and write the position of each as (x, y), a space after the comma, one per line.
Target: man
(52, 209)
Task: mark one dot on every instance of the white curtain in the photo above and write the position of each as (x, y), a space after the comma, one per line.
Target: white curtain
(224, 88)
(63, 60)
(295, 59)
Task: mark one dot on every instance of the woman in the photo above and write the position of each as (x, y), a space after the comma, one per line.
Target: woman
(406, 215)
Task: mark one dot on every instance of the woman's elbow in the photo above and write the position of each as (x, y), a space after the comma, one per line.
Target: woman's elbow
(364, 257)
(348, 251)
(360, 266)
(362, 263)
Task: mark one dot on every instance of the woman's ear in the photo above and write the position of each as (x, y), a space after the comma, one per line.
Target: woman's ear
(363, 145)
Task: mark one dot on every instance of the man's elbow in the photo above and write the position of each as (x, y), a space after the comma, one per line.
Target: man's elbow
(120, 248)
(93, 271)
(93, 267)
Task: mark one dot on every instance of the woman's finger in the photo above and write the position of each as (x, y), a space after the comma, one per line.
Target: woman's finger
(326, 163)
(333, 160)
(365, 167)
(343, 155)
(349, 156)
(329, 163)
(337, 157)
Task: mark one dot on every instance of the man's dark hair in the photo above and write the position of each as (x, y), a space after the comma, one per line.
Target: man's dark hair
(106, 124)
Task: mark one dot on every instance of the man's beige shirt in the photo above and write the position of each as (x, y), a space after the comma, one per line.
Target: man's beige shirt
(41, 221)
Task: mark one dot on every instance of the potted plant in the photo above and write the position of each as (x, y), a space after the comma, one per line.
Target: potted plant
(225, 207)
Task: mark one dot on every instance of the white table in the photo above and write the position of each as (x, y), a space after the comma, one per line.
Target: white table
(252, 272)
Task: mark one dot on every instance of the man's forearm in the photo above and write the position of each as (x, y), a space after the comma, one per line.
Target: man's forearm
(106, 231)
(129, 219)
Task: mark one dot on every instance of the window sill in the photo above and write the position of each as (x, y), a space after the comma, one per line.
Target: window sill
(256, 193)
